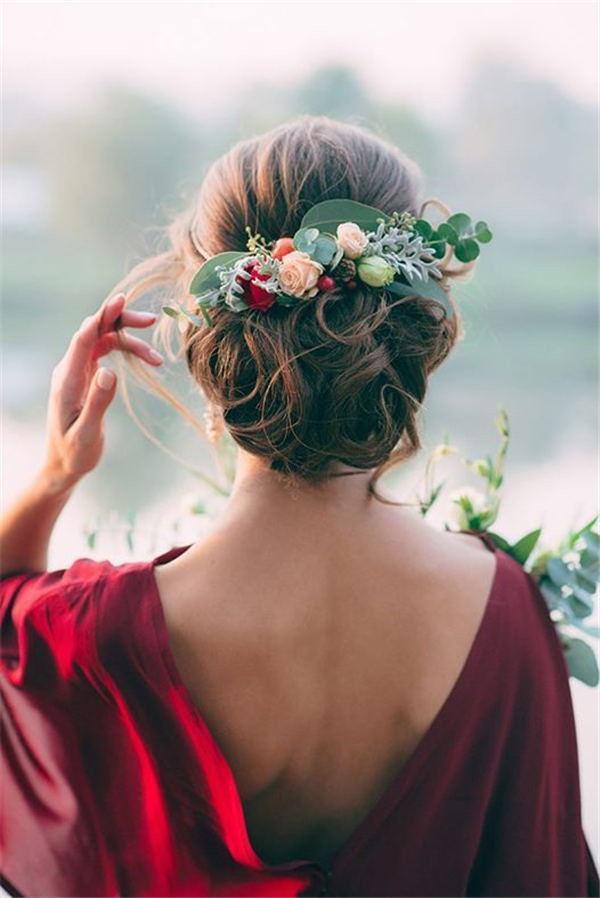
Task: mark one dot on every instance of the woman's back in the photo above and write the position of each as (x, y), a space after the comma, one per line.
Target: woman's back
(325, 696)
(319, 657)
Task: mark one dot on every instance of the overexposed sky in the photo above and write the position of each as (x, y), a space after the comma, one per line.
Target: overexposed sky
(198, 54)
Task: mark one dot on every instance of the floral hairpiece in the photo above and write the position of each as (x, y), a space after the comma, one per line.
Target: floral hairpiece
(340, 243)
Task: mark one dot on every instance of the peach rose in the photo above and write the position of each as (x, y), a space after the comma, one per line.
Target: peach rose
(298, 275)
(352, 239)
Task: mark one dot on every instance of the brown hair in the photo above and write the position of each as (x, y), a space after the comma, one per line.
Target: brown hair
(342, 377)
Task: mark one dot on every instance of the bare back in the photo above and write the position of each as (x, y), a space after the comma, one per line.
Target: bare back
(319, 659)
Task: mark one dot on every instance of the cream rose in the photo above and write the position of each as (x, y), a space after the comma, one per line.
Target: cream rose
(298, 275)
(352, 239)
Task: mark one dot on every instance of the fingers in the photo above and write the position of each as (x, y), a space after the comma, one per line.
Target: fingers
(109, 312)
(134, 318)
(138, 347)
(88, 428)
(96, 335)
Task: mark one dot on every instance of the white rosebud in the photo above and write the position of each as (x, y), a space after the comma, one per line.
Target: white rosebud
(351, 239)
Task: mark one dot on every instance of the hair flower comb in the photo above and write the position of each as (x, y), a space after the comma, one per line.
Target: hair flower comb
(340, 244)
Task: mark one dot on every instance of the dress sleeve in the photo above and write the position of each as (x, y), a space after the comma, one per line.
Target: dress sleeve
(46, 617)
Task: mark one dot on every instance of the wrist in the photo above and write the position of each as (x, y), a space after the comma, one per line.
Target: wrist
(51, 480)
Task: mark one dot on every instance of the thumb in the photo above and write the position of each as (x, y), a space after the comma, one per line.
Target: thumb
(100, 395)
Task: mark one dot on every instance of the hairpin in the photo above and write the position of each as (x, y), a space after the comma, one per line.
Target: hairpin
(340, 244)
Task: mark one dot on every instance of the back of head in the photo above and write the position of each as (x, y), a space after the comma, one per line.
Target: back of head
(341, 378)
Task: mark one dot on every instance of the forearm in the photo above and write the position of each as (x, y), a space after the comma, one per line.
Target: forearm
(26, 526)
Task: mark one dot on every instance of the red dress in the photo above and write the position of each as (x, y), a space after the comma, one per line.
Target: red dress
(113, 785)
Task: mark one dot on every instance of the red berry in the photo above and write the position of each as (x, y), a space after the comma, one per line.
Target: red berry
(282, 247)
(325, 283)
(351, 285)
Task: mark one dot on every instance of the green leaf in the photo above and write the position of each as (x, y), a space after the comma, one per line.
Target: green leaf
(581, 661)
(446, 232)
(417, 287)
(283, 300)
(466, 250)
(205, 315)
(581, 602)
(499, 540)
(482, 232)
(171, 312)
(553, 595)
(585, 582)
(522, 549)
(592, 541)
(206, 278)
(424, 228)
(195, 319)
(438, 248)
(328, 215)
(325, 249)
(590, 564)
(587, 628)
(559, 573)
(461, 223)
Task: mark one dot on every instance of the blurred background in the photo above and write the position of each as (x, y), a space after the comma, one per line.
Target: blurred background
(112, 113)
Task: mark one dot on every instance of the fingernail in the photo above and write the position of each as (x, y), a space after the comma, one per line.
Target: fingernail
(155, 356)
(105, 378)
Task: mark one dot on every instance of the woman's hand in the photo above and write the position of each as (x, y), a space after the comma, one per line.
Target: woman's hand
(80, 391)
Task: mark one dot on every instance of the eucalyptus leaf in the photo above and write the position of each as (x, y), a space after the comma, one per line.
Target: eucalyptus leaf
(328, 215)
(461, 223)
(207, 278)
(580, 603)
(466, 250)
(592, 541)
(590, 564)
(446, 232)
(559, 573)
(303, 241)
(581, 661)
(429, 289)
(195, 319)
(585, 582)
(552, 595)
(325, 249)
(587, 628)
(482, 232)
(522, 549)
(424, 228)
(438, 247)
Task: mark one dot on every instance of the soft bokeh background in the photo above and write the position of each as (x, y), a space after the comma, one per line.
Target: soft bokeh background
(111, 113)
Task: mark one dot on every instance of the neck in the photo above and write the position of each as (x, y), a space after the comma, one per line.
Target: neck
(258, 491)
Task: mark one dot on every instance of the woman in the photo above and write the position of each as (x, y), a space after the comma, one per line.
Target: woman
(325, 695)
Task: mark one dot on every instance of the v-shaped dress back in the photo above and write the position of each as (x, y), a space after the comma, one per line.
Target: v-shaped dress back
(114, 785)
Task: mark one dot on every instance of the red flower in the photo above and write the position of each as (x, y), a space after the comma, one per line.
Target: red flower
(254, 296)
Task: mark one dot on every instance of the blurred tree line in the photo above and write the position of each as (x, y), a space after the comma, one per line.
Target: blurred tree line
(519, 153)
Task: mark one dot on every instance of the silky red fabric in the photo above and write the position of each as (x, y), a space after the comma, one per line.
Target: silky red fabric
(113, 785)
